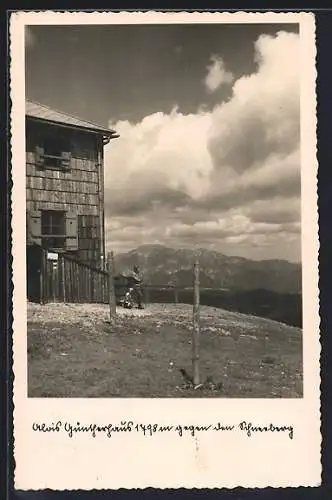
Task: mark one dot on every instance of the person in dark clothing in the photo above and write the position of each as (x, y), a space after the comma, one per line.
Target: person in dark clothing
(138, 285)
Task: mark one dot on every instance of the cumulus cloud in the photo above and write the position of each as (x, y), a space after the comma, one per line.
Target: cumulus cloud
(275, 211)
(227, 178)
(217, 75)
(162, 159)
(262, 118)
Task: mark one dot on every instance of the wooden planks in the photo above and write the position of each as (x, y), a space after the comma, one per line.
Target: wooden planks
(69, 280)
(78, 189)
(58, 196)
(70, 207)
(66, 185)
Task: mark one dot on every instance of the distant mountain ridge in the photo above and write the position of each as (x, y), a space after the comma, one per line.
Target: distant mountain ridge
(162, 265)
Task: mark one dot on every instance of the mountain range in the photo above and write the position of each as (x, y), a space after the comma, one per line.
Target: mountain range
(162, 265)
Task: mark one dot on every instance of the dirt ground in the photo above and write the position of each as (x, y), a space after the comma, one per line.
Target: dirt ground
(74, 351)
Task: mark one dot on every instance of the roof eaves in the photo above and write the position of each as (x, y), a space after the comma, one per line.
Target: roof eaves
(95, 129)
(67, 121)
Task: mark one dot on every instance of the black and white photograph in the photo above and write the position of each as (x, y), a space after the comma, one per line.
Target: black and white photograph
(166, 222)
(179, 149)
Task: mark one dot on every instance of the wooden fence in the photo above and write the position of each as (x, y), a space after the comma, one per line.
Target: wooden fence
(68, 280)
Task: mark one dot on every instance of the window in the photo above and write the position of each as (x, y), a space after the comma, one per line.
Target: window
(53, 228)
(53, 152)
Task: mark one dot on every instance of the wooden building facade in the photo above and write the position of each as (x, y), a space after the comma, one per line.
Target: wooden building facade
(65, 185)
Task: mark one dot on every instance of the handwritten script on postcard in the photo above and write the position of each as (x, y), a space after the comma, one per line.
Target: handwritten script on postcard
(151, 429)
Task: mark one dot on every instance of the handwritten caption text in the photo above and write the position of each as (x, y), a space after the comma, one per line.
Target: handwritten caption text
(152, 429)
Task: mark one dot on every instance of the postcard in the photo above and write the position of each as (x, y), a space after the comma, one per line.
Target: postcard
(165, 250)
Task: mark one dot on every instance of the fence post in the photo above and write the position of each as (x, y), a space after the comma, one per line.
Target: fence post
(77, 282)
(176, 294)
(61, 262)
(42, 277)
(111, 290)
(53, 280)
(196, 325)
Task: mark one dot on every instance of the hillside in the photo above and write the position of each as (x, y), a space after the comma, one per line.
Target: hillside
(163, 265)
(73, 351)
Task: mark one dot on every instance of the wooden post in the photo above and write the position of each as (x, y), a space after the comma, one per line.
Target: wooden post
(93, 281)
(196, 325)
(66, 279)
(111, 290)
(70, 281)
(89, 285)
(102, 289)
(51, 265)
(86, 285)
(76, 282)
(105, 288)
(81, 282)
(176, 294)
(62, 277)
(42, 277)
(98, 287)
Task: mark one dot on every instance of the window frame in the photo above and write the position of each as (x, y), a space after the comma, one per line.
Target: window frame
(53, 152)
(55, 236)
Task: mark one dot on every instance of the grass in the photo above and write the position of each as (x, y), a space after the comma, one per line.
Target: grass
(73, 351)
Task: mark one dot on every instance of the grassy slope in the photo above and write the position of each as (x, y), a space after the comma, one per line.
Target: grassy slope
(74, 352)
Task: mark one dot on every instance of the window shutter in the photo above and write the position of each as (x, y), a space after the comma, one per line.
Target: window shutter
(65, 160)
(34, 227)
(71, 231)
(39, 156)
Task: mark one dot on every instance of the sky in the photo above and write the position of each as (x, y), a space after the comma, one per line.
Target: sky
(208, 116)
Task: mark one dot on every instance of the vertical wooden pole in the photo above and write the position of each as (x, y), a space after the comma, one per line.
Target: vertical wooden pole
(41, 291)
(77, 279)
(95, 286)
(101, 287)
(98, 288)
(57, 287)
(62, 278)
(65, 279)
(106, 285)
(90, 286)
(92, 283)
(42, 277)
(69, 281)
(176, 294)
(196, 325)
(77, 287)
(111, 290)
(80, 283)
(86, 285)
(52, 280)
(100, 284)
(72, 281)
